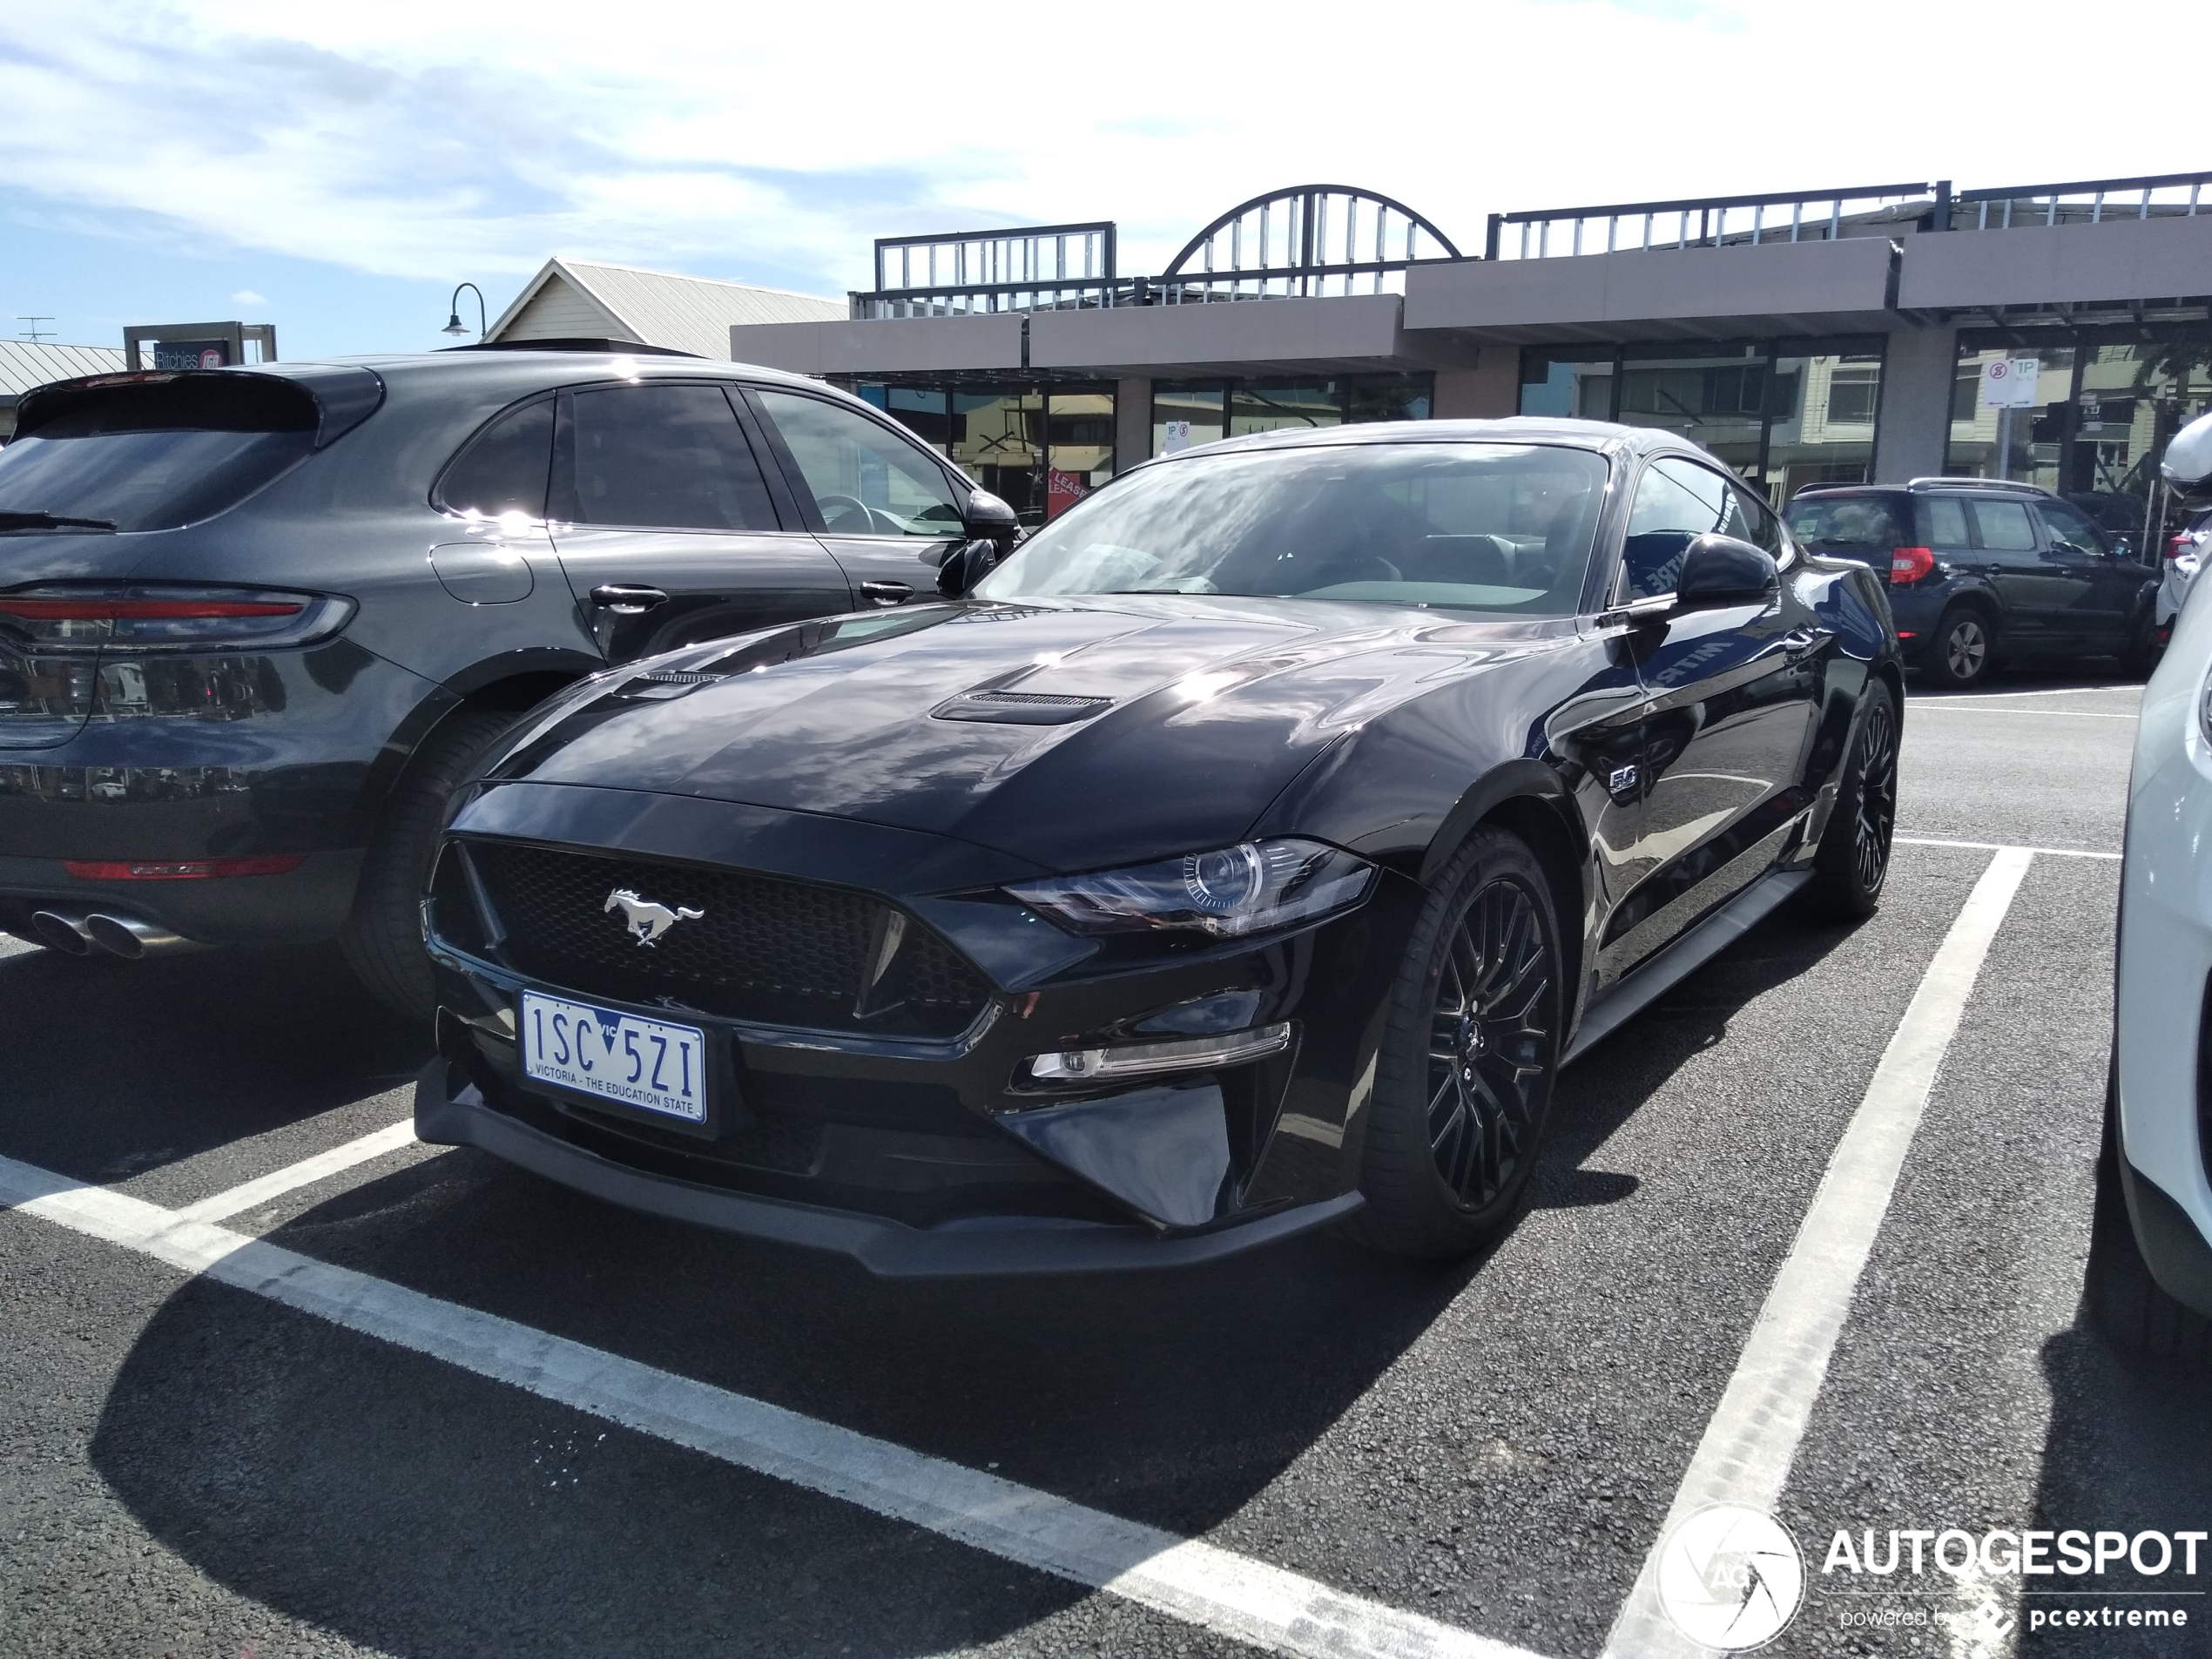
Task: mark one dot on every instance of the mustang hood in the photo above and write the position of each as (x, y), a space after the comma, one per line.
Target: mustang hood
(1099, 731)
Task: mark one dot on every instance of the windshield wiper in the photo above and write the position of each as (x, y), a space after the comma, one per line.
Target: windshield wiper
(50, 521)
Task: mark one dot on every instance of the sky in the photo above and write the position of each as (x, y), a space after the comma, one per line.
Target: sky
(336, 169)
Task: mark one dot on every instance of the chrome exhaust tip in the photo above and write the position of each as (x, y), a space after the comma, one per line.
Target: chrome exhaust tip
(128, 937)
(65, 933)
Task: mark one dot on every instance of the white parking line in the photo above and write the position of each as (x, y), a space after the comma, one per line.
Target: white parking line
(2048, 690)
(2007, 846)
(253, 1194)
(1753, 1437)
(1953, 706)
(1230, 1595)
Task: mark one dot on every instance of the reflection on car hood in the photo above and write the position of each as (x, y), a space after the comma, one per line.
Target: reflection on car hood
(1092, 731)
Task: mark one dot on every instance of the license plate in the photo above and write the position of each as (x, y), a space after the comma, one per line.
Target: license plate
(616, 1056)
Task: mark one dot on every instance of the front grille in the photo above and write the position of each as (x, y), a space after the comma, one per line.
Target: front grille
(762, 948)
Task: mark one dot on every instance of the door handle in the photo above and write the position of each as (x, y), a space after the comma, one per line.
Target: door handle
(625, 600)
(887, 593)
(1993, 570)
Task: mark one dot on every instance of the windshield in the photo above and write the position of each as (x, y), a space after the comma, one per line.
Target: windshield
(1494, 527)
(1846, 520)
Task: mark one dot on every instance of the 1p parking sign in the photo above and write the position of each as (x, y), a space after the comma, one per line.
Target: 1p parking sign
(2009, 382)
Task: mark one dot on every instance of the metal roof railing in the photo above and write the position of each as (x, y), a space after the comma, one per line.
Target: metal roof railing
(2172, 195)
(1031, 256)
(1712, 221)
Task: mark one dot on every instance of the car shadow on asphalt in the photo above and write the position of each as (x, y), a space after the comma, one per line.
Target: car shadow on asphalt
(2130, 1450)
(115, 1068)
(315, 1471)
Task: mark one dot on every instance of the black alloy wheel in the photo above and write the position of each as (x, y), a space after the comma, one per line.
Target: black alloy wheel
(1490, 1047)
(1853, 860)
(1464, 1080)
(1959, 656)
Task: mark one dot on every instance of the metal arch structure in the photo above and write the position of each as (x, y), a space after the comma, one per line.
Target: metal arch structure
(1297, 241)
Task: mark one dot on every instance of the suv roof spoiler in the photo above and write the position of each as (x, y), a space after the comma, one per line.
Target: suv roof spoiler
(620, 348)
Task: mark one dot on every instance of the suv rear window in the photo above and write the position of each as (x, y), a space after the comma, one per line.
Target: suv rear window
(154, 454)
(1872, 523)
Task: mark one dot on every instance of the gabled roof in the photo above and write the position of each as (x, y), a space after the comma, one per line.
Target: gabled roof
(24, 364)
(579, 297)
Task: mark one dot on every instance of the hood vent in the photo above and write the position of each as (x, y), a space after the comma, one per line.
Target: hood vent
(1020, 708)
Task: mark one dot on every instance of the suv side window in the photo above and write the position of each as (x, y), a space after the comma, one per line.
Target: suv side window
(504, 468)
(2071, 529)
(865, 481)
(2005, 526)
(660, 457)
(1943, 522)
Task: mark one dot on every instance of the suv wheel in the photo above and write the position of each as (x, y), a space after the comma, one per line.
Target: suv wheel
(1959, 650)
(383, 938)
(1464, 1080)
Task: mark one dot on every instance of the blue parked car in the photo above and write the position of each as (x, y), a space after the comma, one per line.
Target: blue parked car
(1982, 571)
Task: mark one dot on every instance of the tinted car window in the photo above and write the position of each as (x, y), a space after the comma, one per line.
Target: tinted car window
(2070, 525)
(1676, 502)
(2005, 526)
(1760, 527)
(665, 458)
(865, 481)
(1943, 522)
(1869, 522)
(153, 455)
(1478, 526)
(504, 470)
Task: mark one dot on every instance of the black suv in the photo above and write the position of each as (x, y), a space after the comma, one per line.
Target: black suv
(1982, 571)
(254, 623)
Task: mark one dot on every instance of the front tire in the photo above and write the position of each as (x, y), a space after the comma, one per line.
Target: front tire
(1470, 1051)
(1853, 860)
(1959, 649)
(383, 938)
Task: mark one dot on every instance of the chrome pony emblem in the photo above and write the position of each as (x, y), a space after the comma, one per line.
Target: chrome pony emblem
(646, 920)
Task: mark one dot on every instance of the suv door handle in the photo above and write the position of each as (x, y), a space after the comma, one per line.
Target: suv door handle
(887, 593)
(627, 601)
(1992, 568)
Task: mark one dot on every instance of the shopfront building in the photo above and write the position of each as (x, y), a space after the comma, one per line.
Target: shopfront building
(1803, 340)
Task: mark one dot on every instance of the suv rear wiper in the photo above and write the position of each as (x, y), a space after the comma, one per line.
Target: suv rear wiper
(52, 522)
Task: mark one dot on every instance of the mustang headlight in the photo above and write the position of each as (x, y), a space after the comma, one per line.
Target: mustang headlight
(1248, 888)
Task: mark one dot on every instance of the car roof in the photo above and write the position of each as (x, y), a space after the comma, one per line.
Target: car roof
(1926, 487)
(551, 368)
(1604, 437)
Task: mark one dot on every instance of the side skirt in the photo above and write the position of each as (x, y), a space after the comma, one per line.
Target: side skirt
(1669, 966)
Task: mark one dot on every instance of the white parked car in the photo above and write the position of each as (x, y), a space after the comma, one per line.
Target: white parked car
(2150, 1258)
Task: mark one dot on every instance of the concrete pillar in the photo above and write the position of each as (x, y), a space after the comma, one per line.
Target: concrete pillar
(1132, 422)
(1489, 390)
(1917, 373)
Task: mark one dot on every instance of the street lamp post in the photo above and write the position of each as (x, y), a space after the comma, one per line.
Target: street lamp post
(453, 325)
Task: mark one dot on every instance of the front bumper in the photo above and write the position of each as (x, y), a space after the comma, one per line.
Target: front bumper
(940, 1154)
(2162, 1062)
(451, 1111)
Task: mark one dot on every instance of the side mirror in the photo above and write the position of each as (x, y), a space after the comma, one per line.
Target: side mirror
(2187, 465)
(1718, 569)
(965, 566)
(989, 519)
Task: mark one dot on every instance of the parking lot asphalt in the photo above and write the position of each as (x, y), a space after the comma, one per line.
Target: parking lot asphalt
(192, 1465)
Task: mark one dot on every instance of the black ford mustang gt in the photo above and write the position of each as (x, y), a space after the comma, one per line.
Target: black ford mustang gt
(1247, 851)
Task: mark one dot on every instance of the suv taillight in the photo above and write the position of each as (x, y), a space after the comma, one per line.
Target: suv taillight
(2181, 542)
(67, 616)
(1910, 564)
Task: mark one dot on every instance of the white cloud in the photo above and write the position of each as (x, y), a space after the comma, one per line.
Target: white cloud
(774, 142)
(248, 297)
